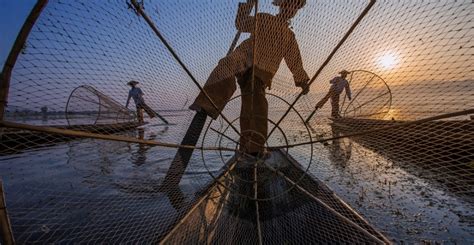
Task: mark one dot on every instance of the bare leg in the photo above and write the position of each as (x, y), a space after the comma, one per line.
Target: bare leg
(140, 114)
(220, 86)
(253, 124)
(324, 100)
(219, 92)
(335, 106)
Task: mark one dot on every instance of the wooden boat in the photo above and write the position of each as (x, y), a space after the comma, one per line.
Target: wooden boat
(282, 206)
(14, 140)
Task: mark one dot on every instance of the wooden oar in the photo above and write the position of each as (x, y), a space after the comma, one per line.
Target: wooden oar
(160, 117)
(181, 159)
(310, 116)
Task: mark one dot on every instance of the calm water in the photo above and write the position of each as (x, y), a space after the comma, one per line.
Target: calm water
(400, 204)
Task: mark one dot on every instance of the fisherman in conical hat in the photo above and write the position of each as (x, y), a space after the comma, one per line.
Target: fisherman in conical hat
(137, 94)
(274, 41)
(338, 84)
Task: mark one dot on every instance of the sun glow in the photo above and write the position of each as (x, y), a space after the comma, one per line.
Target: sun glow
(393, 114)
(388, 60)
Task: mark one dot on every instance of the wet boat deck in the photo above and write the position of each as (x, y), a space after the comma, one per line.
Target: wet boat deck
(283, 206)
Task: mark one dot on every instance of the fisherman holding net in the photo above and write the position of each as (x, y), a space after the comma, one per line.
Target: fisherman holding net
(137, 95)
(338, 84)
(274, 41)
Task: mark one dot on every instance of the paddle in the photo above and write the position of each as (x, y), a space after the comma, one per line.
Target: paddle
(310, 116)
(182, 157)
(160, 117)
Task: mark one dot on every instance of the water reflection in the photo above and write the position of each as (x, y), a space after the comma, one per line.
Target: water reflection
(139, 174)
(341, 149)
(439, 152)
(139, 157)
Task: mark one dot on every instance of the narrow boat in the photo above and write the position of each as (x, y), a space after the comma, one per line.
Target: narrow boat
(272, 201)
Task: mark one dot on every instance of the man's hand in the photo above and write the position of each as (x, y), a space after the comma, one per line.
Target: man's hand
(249, 3)
(304, 86)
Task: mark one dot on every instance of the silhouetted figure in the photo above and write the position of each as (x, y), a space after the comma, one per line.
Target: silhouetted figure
(274, 41)
(137, 95)
(44, 113)
(338, 84)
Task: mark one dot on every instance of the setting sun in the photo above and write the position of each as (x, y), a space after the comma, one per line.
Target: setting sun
(388, 60)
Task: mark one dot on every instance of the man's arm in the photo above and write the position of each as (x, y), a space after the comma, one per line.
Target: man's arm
(244, 22)
(140, 96)
(128, 99)
(294, 62)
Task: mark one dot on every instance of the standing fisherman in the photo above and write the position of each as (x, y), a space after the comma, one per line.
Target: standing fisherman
(338, 84)
(274, 41)
(137, 95)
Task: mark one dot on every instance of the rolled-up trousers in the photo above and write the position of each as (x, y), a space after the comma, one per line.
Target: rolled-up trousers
(220, 86)
(148, 110)
(254, 109)
(253, 114)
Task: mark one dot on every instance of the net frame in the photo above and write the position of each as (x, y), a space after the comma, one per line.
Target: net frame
(359, 129)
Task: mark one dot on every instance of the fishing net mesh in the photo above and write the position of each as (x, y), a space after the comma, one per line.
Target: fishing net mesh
(78, 165)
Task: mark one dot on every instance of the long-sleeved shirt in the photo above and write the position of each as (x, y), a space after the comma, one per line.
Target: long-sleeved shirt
(275, 41)
(137, 95)
(338, 84)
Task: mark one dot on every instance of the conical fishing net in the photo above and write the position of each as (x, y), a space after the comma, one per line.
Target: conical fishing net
(384, 153)
(87, 106)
